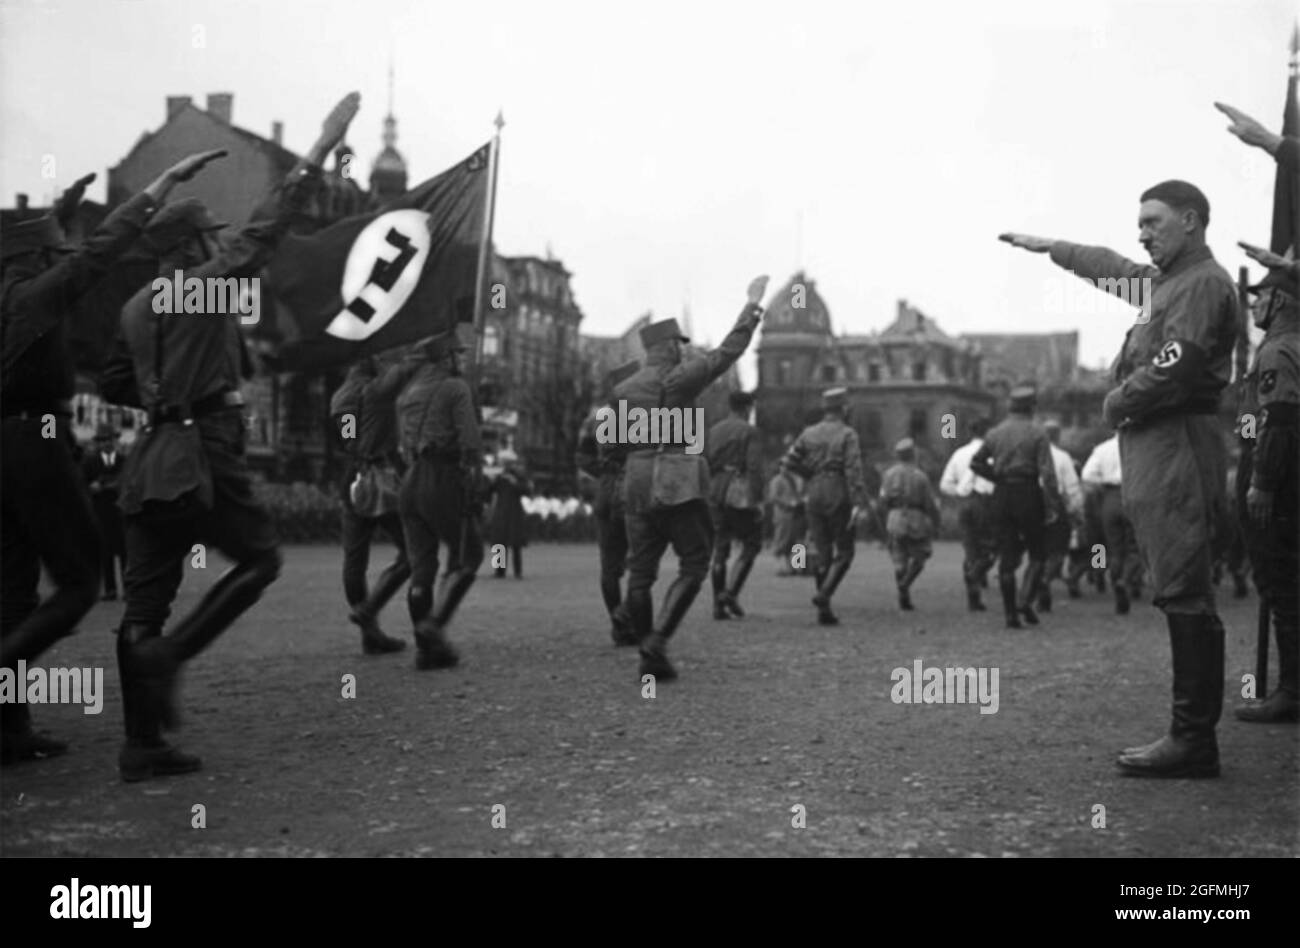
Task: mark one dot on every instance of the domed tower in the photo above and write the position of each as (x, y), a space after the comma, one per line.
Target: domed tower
(388, 172)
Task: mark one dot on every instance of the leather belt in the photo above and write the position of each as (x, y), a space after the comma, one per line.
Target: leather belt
(61, 406)
(207, 405)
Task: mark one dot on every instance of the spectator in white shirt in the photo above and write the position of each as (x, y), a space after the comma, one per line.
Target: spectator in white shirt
(978, 536)
(1102, 470)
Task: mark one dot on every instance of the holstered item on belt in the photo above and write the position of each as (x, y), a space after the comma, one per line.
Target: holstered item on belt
(677, 479)
(374, 490)
(167, 463)
(737, 494)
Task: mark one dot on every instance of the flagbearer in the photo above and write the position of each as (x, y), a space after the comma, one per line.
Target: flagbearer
(1174, 364)
(187, 481)
(1268, 482)
(912, 520)
(827, 455)
(441, 493)
(605, 463)
(665, 488)
(735, 452)
(48, 523)
(1016, 458)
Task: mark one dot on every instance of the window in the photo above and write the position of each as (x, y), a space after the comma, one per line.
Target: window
(783, 372)
(918, 371)
(871, 429)
(828, 373)
(918, 423)
(873, 372)
(491, 341)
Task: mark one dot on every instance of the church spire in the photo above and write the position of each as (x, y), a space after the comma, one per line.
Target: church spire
(388, 173)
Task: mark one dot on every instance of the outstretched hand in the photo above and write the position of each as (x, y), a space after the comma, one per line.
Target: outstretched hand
(188, 167)
(757, 287)
(336, 123)
(1264, 256)
(1249, 130)
(66, 206)
(1026, 242)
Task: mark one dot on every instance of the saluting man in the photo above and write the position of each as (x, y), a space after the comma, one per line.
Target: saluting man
(605, 463)
(187, 480)
(1268, 482)
(665, 489)
(1174, 365)
(828, 456)
(735, 452)
(912, 519)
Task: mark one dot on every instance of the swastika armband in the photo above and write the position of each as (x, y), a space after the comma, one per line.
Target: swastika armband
(1181, 359)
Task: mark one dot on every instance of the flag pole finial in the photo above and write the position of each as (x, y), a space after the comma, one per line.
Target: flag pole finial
(499, 121)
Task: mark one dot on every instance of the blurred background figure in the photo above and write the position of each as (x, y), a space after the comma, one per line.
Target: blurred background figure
(785, 492)
(1070, 513)
(102, 466)
(506, 522)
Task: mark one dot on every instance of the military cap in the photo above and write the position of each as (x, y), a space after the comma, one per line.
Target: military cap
(907, 444)
(621, 372)
(661, 331)
(739, 400)
(40, 233)
(1023, 397)
(1179, 195)
(835, 397)
(1278, 278)
(437, 347)
(179, 220)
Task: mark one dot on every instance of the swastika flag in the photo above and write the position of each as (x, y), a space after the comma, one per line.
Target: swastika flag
(387, 278)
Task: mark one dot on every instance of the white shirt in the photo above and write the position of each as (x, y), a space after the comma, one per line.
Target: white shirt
(1067, 481)
(958, 479)
(1103, 464)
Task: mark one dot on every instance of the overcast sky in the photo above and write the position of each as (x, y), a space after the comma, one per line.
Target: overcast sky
(667, 152)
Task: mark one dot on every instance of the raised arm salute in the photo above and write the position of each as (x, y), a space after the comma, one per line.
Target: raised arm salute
(1175, 362)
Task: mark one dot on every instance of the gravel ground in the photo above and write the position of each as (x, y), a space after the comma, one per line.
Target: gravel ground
(545, 726)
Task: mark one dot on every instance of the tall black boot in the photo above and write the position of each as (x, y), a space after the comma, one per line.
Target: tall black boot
(826, 588)
(1283, 705)
(718, 576)
(232, 595)
(145, 754)
(739, 573)
(1007, 586)
(19, 742)
(654, 650)
(432, 649)
(1029, 590)
(974, 602)
(365, 614)
(1190, 748)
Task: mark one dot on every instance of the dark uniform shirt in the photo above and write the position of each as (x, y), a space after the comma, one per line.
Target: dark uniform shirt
(1018, 449)
(1276, 388)
(365, 395)
(36, 369)
(203, 354)
(1180, 359)
(436, 414)
(677, 386)
(829, 447)
(734, 447)
(606, 463)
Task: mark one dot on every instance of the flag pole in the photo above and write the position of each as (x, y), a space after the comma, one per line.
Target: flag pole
(485, 245)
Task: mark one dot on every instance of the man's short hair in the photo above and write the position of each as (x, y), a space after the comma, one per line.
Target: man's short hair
(1181, 196)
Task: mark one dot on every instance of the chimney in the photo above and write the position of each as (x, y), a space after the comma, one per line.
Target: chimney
(22, 202)
(220, 105)
(175, 103)
(277, 132)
